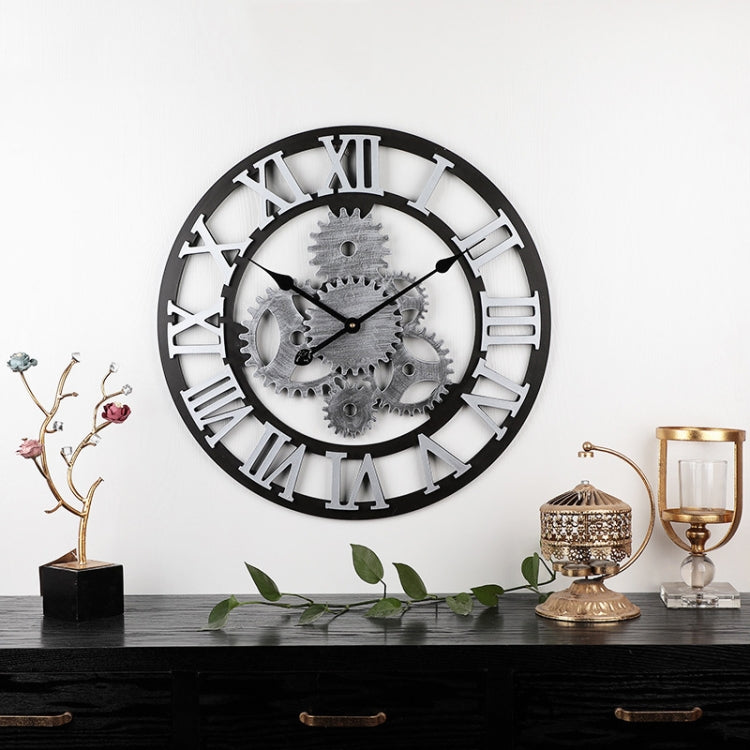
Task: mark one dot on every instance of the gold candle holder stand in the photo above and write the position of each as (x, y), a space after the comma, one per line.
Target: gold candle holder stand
(697, 588)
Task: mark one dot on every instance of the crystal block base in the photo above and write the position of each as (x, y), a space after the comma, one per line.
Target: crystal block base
(716, 596)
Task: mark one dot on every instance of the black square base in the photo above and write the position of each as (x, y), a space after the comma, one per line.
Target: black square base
(73, 593)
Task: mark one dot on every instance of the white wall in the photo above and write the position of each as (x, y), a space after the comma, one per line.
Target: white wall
(620, 130)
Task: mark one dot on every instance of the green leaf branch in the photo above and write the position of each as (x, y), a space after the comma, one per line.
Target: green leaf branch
(369, 568)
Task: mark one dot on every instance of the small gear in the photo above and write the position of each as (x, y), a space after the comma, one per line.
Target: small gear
(375, 340)
(278, 370)
(349, 246)
(350, 410)
(408, 370)
(413, 304)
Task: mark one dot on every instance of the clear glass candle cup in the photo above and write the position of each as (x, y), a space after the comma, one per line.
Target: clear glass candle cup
(703, 484)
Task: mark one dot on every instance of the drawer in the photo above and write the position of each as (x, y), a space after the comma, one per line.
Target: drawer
(578, 711)
(435, 710)
(106, 710)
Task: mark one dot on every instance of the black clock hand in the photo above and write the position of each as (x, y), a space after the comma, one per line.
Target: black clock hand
(440, 267)
(304, 356)
(286, 284)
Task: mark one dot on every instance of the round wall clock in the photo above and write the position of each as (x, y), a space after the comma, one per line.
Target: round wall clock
(354, 322)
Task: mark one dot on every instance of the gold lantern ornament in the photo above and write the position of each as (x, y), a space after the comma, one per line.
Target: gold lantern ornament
(586, 534)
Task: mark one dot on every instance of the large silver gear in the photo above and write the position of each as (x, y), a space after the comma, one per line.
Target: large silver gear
(375, 340)
(349, 246)
(408, 369)
(277, 372)
(350, 409)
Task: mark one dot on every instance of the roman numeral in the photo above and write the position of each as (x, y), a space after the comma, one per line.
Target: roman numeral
(366, 169)
(491, 323)
(428, 447)
(480, 402)
(206, 402)
(502, 222)
(441, 164)
(269, 168)
(218, 252)
(351, 500)
(264, 467)
(186, 321)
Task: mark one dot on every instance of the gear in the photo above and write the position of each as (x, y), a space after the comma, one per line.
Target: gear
(413, 304)
(350, 409)
(408, 370)
(349, 246)
(278, 370)
(375, 340)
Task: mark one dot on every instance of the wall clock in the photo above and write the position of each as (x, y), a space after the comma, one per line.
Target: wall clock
(354, 322)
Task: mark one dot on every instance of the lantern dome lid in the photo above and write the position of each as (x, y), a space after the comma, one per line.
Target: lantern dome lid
(584, 497)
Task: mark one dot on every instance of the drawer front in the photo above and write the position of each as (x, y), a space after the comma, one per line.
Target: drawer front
(395, 710)
(102, 711)
(564, 711)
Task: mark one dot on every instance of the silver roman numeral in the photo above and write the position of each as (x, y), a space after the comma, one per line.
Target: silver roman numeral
(428, 447)
(480, 402)
(216, 251)
(366, 149)
(206, 403)
(491, 323)
(441, 164)
(351, 500)
(186, 321)
(263, 466)
(502, 222)
(276, 163)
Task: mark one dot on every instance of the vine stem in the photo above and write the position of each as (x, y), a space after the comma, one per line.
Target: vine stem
(535, 587)
(282, 605)
(344, 608)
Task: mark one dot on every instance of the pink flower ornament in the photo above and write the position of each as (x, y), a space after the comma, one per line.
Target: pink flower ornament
(30, 449)
(114, 412)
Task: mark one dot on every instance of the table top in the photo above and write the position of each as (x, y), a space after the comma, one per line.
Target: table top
(177, 621)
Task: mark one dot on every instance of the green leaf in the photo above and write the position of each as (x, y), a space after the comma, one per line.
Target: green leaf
(218, 616)
(530, 569)
(266, 587)
(461, 604)
(489, 594)
(543, 597)
(411, 583)
(367, 564)
(388, 607)
(312, 613)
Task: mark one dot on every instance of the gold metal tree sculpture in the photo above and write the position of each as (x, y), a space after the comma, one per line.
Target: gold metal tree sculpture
(79, 504)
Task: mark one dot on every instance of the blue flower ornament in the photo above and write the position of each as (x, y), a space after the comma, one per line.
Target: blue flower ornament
(20, 362)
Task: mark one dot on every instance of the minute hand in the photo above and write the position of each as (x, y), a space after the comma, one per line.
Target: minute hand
(440, 267)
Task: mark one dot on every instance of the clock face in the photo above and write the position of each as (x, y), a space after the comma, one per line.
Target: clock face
(354, 322)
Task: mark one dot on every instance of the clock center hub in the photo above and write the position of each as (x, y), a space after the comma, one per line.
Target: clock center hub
(377, 336)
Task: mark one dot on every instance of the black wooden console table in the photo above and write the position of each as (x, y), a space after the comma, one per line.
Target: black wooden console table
(500, 678)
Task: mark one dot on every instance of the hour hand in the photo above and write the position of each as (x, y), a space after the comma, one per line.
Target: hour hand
(305, 356)
(286, 284)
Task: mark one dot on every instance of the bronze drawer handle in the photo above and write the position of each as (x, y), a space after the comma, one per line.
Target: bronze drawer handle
(657, 717)
(36, 721)
(316, 720)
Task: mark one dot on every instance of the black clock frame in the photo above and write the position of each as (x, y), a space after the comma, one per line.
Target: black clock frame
(450, 403)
